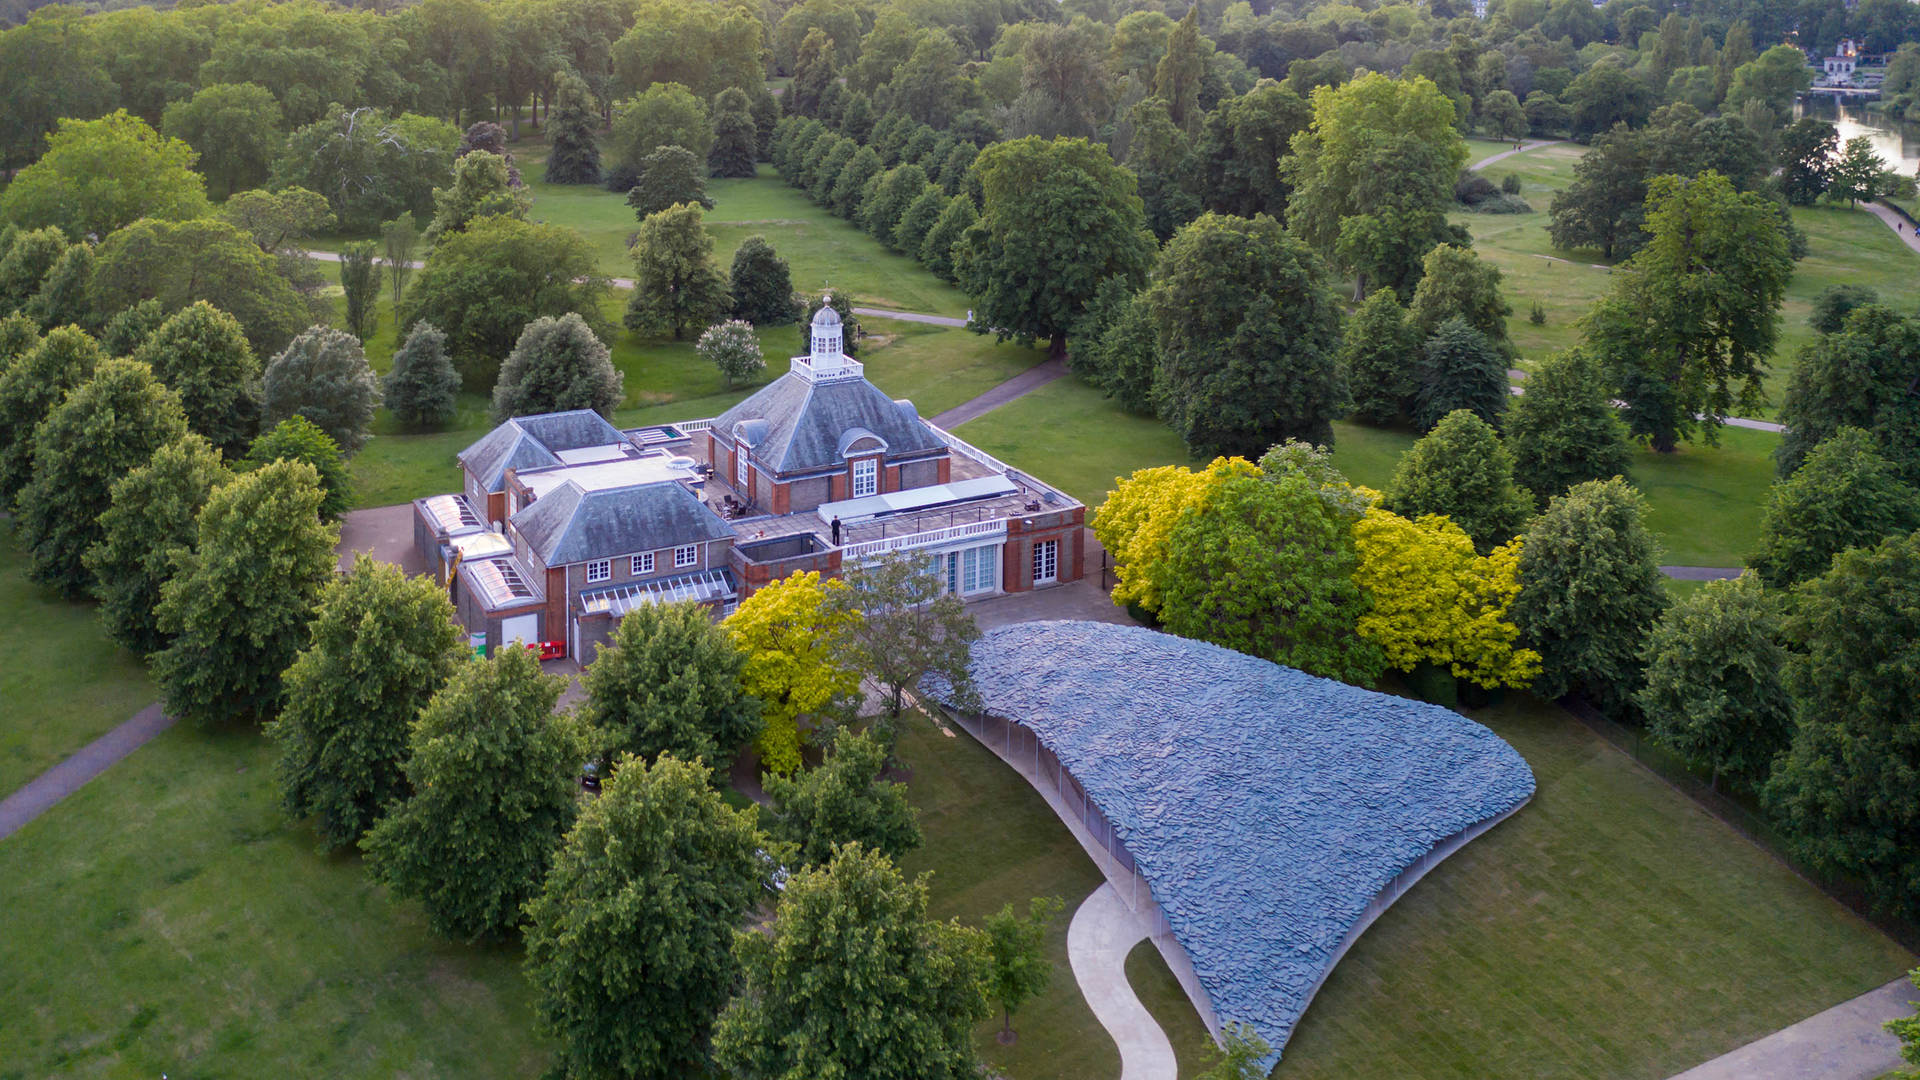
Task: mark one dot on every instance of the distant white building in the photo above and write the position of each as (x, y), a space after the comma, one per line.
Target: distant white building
(1839, 66)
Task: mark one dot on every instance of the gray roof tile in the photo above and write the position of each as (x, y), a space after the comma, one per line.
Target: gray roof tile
(527, 442)
(568, 525)
(805, 420)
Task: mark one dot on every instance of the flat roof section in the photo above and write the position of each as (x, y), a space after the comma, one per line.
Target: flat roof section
(920, 498)
(587, 455)
(605, 475)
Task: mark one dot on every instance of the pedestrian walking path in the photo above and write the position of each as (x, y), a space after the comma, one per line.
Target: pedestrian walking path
(1847, 1042)
(43, 791)
(1020, 385)
(1505, 154)
(1102, 933)
(1894, 221)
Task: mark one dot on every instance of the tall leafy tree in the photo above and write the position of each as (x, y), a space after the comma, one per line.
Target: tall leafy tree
(676, 286)
(382, 644)
(1457, 283)
(62, 299)
(1380, 354)
(669, 683)
(957, 217)
(100, 175)
(323, 375)
(898, 188)
(1836, 302)
(422, 386)
(1459, 368)
(1605, 205)
(793, 636)
(573, 155)
(1018, 967)
(664, 114)
(1806, 159)
(667, 177)
(813, 71)
(1845, 496)
(491, 773)
(843, 801)
(178, 263)
(736, 138)
(27, 262)
(149, 516)
(1248, 331)
(1861, 377)
(30, 388)
(482, 187)
(360, 284)
(1176, 80)
(1373, 177)
(1688, 331)
(237, 607)
(1462, 471)
(235, 128)
(1241, 146)
(849, 186)
(1590, 592)
(398, 240)
(370, 166)
(1563, 431)
(1058, 218)
(202, 353)
(558, 364)
(485, 284)
(105, 428)
(760, 283)
(131, 327)
(1716, 691)
(908, 627)
(909, 233)
(629, 940)
(1845, 789)
(853, 979)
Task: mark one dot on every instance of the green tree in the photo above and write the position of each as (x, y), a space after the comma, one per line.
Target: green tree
(1715, 691)
(1605, 205)
(233, 127)
(813, 71)
(850, 185)
(909, 233)
(1563, 431)
(30, 388)
(27, 263)
(1836, 302)
(360, 284)
(1241, 146)
(1116, 346)
(236, 609)
(62, 299)
(676, 286)
(280, 223)
(97, 176)
(1248, 331)
(1459, 368)
(908, 626)
(843, 801)
(323, 375)
(484, 285)
(1462, 471)
(382, 645)
(1456, 282)
(150, 515)
(573, 156)
(1176, 80)
(1689, 330)
(736, 138)
(668, 176)
(178, 263)
(1844, 496)
(105, 428)
(1773, 79)
(629, 940)
(370, 166)
(1845, 790)
(1590, 592)
(732, 347)
(668, 682)
(899, 187)
(298, 439)
(1379, 354)
(929, 85)
(664, 114)
(491, 770)
(1059, 218)
(131, 327)
(1604, 95)
(937, 252)
(481, 188)
(202, 353)
(1860, 378)
(18, 337)
(422, 385)
(1242, 1058)
(853, 979)
(1266, 568)
(398, 240)
(558, 364)
(1373, 177)
(1018, 967)
(760, 283)
(1806, 159)
(1855, 175)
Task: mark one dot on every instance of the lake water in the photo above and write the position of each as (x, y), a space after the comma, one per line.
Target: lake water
(1897, 143)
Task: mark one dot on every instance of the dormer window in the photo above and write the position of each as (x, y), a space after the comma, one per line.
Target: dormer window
(866, 477)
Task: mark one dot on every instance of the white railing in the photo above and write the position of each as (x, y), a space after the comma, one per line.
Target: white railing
(866, 548)
(962, 446)
(691, 426)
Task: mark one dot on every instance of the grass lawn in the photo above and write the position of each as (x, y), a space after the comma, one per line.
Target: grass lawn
(1153, 983)
(64, 684)
(991, 840)
(1609, 929)
(165, 919)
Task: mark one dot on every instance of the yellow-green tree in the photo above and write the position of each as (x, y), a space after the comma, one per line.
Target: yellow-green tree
(797, 662)
(1436, 601)
(1139, 514)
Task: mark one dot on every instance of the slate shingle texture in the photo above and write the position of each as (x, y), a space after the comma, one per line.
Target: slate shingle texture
(527, 442)
(1265, 807)
(801, 423)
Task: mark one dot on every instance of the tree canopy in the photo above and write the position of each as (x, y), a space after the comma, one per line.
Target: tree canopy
(1463, 472)
(324, 376)
(98, 176)
(557, 365)
(843, 801)
(150, 515)
(668, 682)
(1845, 496)
(793, 636)
(676, 286)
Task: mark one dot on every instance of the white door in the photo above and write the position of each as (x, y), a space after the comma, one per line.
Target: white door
(522, 628)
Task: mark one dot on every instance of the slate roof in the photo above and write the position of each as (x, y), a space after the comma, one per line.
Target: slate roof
(804, 421)
(1264, 807)
(568, 525)
(528, 442)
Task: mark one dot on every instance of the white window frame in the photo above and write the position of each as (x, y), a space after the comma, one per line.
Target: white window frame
(686, 556)
(866, 477)
(741, 477)
(973, 571)
(642, 564)
(599, 570)
(1046, 562)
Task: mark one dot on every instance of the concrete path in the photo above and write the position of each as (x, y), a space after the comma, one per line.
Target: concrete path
(911, 316)
(1521, 149)
(1846, 1042)
(1895, 222)
(1101, 935)
(1024, 383)
(1702, 573)
(41, 792)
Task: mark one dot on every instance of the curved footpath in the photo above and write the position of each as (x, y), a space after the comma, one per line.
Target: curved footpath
(33, 798)
(1101, 935)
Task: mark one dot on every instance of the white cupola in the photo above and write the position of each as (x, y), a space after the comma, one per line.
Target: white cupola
(827, 358)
